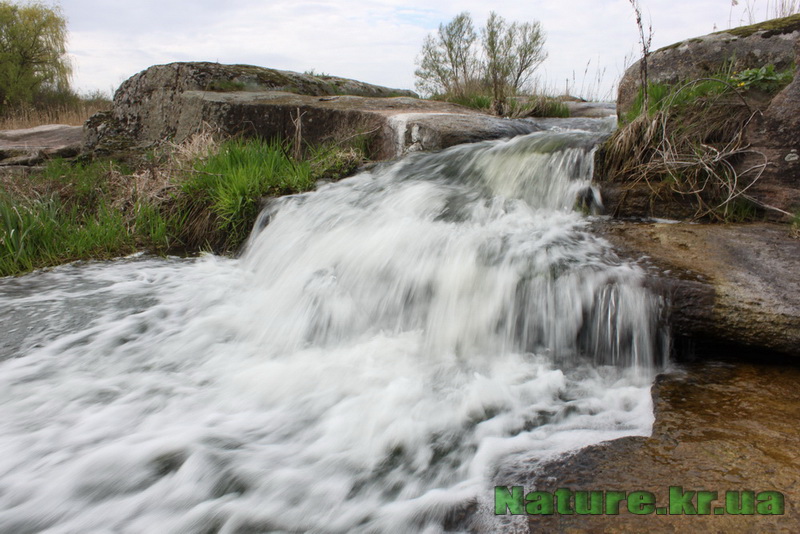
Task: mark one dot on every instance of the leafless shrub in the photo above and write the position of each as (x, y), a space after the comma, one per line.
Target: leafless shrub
(645, 39)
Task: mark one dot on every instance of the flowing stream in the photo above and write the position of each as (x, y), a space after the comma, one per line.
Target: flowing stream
(385, 351)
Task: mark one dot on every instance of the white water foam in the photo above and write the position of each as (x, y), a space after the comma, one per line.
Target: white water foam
(383, 351)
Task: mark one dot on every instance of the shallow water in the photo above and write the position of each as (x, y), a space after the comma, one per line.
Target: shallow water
(384, 351)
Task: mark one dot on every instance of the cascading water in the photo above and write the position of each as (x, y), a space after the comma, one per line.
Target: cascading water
(386, 350)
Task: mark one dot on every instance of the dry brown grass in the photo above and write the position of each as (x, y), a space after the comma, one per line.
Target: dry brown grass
(158, 184)
(17, 183)
(71, 115)
(198, 146)
(691, 150)
(152, 185)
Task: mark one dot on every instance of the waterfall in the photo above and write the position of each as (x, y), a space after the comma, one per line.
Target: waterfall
(385, 350)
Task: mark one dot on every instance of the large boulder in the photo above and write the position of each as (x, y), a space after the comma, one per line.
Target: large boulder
(772, 134)
(776, 135)
(770, 42)
(171, 102)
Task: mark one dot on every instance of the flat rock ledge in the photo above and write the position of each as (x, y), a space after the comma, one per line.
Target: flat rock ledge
(172, 102)
(734, 285)
(32, 146)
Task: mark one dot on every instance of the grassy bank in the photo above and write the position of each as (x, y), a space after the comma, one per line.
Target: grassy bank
(201, 195)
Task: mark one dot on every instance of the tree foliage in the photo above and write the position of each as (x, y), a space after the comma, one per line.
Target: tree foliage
(498, 42)
(447, 63)
(33, 52)
(451, 62)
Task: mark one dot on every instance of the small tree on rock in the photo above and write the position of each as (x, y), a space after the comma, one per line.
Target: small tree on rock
(527, 52)
(451, 64)
(447, 62)
(512, 52)
(497, 41)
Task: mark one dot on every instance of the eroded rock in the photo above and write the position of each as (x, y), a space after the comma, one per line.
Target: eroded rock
(776, 134)
(725, 284)
(770, 42)
(171, 102)
(768, 166)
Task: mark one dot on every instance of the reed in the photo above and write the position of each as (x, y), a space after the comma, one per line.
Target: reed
(70, 114)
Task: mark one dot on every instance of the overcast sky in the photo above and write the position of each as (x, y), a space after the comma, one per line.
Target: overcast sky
(375, 41)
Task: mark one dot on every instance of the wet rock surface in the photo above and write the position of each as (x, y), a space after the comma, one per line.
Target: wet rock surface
(726, 417)
(736, 284)
(719, 426)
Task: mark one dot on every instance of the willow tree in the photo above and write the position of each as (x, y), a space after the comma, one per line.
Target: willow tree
(33, 52)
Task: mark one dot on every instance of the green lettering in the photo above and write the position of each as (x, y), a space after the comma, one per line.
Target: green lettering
(704, 500)
(613, 498)
(770, 503)
(506, 501)
(539, 503)
(740, 505)
(641, 503)
(588, 502)
(563, 496)
(680, 502)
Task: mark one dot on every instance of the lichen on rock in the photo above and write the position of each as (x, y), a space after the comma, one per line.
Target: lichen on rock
(172, 102)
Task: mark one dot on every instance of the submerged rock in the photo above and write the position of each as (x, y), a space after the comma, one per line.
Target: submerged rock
(719, 426)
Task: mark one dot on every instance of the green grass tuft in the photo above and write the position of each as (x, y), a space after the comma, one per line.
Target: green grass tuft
(538, 106)
(199, 195)
(46, 232)
(230, 184)
(765, 79)
(226, 86)
(475, 101)
(794, 228)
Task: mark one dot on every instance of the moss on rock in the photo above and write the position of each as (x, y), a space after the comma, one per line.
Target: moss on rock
(768, 28)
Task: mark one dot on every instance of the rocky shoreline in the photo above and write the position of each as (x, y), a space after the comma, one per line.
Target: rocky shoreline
(726, 408)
